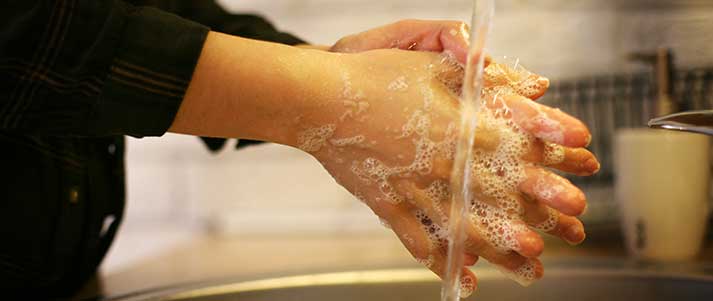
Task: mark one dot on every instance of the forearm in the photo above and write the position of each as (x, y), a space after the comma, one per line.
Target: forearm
(256, 90)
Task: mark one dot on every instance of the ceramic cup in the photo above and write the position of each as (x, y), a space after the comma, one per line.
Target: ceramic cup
(661, 186)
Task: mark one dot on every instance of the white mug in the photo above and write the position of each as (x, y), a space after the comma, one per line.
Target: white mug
(661, 186)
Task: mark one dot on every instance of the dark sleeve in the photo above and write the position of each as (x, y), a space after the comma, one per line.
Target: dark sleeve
(93, 67)
(209, 13)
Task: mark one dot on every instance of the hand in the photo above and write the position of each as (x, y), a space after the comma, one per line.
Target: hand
(423, 35)
(383, 123)
(388, 137)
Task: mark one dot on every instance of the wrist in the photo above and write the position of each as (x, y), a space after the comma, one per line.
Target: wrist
(311, 89)
(245, 88)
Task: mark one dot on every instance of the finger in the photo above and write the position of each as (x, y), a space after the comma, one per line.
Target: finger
(553, 222)
(428, 236)
(412, 233)
(570, 229)
(453, 38)
(502, 234)
(534, 214)
(532, 86)
(520, 261)
(500, 77)
(435, 202)
(488, 60)
(423, 35)
(527, 272)
(553, 190)
(545, 123)
(469, 259)
(578, 161)
(450, 74)
(468, 283)
(426, 249)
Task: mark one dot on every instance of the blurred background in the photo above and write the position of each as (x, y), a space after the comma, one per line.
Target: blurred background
(596, 52)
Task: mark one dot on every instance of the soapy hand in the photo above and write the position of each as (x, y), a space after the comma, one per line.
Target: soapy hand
(384, 124)
(388, 136)
(449, 37)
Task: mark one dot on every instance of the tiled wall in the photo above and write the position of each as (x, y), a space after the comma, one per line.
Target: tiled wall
(174, 178)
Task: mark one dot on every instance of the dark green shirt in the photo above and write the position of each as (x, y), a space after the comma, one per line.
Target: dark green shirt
(75, 76)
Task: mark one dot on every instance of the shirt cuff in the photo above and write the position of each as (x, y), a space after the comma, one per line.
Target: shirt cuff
(152, 67)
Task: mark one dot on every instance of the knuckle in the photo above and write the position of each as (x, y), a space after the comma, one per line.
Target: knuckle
(405, 23)
(458, 24)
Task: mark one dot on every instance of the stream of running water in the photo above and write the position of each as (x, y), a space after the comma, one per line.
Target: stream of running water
(483, 11)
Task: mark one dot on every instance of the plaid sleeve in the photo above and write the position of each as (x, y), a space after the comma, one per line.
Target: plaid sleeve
(93, 67)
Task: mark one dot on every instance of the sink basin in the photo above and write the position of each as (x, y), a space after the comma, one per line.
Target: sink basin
(607, 282)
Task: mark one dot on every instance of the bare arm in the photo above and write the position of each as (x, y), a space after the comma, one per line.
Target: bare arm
(251, 89)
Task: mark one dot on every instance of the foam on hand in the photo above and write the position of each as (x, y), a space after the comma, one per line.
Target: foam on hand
(495, 211)
(312, 139)
(513, 79)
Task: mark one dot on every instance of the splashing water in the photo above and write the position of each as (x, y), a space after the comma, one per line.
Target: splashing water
(483, 11)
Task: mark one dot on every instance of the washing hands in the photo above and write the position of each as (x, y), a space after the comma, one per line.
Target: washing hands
(380, 112)
(402, 166)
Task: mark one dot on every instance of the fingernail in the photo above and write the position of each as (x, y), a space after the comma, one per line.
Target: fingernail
(581, 199)
(589, 167)
(586, 206)
(574, 235)
(530, 245)
(593, 165)
(543, 82)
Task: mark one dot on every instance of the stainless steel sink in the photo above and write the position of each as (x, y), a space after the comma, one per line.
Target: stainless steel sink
(596, 282)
